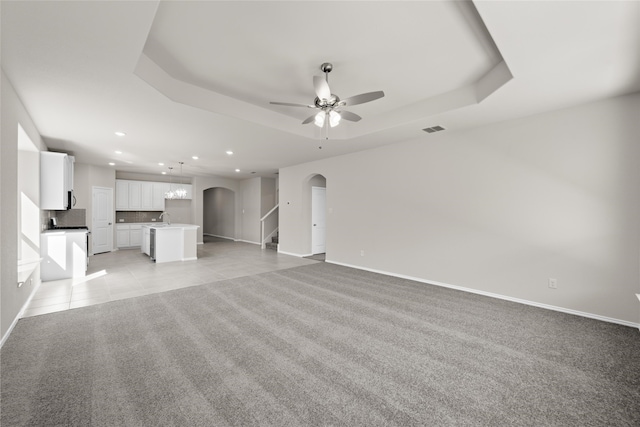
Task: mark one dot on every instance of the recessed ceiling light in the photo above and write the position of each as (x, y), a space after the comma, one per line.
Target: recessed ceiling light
(164, 173)
(160, 164)
(230, 153)
(111, 164)
(194, 157)
(120, 133)
(237, 170)
(118, 152)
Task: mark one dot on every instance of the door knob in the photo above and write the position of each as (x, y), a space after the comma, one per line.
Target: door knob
(109, 224)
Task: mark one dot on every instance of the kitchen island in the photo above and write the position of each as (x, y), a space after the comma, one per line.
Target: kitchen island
(170, 242)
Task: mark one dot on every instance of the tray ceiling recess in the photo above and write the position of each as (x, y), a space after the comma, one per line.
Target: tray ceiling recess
(433, 57)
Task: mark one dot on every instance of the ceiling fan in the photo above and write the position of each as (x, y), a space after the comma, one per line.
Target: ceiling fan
(331, 105)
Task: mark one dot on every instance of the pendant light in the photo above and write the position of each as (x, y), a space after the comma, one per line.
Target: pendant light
(170, 193)
(181, 192)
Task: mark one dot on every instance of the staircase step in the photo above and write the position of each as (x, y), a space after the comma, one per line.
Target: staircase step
(271, 245)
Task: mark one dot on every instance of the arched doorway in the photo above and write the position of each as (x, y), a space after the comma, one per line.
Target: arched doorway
(218, 213)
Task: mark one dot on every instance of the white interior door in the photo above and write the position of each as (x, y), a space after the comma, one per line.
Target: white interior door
(318, 220)
(102, 223)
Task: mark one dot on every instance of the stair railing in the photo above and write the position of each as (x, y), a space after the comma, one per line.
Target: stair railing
(268, 226)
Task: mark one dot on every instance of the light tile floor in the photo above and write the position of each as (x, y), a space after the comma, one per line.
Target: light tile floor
(129, 273)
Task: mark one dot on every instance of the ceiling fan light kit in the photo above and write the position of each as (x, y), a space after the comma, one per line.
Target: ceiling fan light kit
(334, 118)
(331, 105)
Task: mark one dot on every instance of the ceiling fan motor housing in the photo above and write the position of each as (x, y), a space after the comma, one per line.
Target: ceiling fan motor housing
(332, 102)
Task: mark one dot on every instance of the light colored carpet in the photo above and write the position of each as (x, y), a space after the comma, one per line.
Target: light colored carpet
(318, 345)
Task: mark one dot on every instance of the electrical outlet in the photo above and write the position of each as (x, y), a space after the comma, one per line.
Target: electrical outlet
(553, 283)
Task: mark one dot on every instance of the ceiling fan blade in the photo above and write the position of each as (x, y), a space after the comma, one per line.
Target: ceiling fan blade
(289, 104)
(362, 98)
(322, 87)
(309, 119)
(348, 115)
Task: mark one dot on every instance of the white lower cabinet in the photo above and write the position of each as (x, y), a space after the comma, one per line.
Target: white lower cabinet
(129, 235)
(122, 236)
(135, 236)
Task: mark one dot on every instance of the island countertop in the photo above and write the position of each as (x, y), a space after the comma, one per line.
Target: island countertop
(164, 225)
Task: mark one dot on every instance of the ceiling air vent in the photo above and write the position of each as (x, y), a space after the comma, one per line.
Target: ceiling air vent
(433, 129)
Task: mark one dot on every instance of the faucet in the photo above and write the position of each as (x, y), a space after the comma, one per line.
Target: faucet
(162, 216)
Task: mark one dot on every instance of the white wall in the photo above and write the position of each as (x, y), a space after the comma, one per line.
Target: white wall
(500, 209)
(12, 298)
(28, 185)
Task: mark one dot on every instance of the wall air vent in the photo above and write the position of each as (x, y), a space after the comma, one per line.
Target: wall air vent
(433, 129)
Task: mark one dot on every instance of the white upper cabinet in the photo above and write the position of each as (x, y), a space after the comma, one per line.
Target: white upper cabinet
(144, 195)
(135, 194)
(153, 195)
(122, 195)
(159, 188)
(56, 181)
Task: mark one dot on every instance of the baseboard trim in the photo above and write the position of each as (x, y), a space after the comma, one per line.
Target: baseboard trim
(190, 259)
(20, 313)
(247, 241)
(292, 254)
(494, 295)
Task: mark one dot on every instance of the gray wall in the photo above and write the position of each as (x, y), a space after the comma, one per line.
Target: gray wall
(200, 184)
(267, 195)
(219, 217)
(499, 209)
(12, 298)
(250, 213)
(85, 177)
(252, 197)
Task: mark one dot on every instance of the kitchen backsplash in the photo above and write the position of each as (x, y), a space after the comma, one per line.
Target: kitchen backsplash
(68, 218)
(137, 216)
